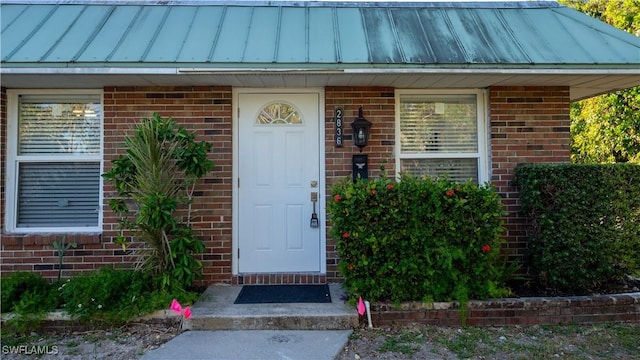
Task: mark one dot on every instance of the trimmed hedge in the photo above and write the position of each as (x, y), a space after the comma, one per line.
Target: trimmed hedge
(585, 223)
(418, 239)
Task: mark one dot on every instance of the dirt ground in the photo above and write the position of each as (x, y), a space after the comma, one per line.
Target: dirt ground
(598, 341)
(132, 341)
(123, 343)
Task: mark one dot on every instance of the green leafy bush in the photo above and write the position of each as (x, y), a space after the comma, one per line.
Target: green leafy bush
(114, 296)
(585, 223)
(29, 297)
(418, 239)
(106, 297)
(26, 292)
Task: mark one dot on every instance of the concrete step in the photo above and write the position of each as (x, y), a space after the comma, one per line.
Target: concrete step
(215, 310)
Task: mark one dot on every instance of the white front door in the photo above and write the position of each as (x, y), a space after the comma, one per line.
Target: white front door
(279, 169)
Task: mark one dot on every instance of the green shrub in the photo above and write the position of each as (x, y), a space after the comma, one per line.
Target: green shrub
(107, 296)
(26, 292)
(114, 296)
(585, 223)
(418, 239)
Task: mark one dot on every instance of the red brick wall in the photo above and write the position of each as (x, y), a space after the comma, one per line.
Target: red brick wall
(528, 125)
(514, 311)
(206, 111)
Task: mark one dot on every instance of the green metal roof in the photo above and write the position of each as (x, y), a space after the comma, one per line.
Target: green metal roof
(318, 35)
(83, 43)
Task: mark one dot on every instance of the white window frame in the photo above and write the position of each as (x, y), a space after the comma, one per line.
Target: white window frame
(11, 186)
(482, 123)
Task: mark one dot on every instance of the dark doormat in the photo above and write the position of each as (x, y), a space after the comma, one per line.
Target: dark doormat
(268, 294)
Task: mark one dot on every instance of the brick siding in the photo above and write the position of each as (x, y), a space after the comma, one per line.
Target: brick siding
(206, 111)
(513, 311)
(528, 124)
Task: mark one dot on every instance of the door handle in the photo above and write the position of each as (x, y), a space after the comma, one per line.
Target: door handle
(315, 222)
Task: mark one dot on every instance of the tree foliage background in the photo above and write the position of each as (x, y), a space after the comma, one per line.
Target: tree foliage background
(606, 128)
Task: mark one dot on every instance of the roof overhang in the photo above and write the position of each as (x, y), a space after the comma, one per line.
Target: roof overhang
(583, 83)
(400, 44)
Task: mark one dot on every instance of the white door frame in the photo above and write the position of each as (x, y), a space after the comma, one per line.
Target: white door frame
(235, 172)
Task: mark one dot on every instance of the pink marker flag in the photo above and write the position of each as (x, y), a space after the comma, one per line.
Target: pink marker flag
(187, 312)
(176, 307)
(361, 308)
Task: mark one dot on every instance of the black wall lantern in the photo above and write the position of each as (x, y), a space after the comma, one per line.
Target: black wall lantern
(361, 129)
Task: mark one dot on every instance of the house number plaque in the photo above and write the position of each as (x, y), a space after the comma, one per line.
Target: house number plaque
(339, 127)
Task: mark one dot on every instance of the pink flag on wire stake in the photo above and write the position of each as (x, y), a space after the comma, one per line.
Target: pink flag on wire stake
(176, 307)
(187, 312)
(361, 308)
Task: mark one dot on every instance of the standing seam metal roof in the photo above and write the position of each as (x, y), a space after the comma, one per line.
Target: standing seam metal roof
(315, 35)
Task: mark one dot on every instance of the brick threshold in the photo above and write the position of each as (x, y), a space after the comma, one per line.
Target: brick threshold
(278, 279)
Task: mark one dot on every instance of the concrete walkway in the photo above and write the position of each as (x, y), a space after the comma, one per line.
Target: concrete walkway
(220, 329)
(253, 344)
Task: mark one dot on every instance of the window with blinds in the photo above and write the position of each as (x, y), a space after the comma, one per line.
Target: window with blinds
(58, 194)
(57, 155)
(439, 135)
(53, 125)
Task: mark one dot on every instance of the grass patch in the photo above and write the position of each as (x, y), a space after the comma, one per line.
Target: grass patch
(611, 340)
(405, 342)
(470, 342)
(601, 341)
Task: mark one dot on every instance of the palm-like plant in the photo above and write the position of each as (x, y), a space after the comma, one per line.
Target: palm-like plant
(158, 175)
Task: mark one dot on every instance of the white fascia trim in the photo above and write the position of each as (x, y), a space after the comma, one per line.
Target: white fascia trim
(240, 71)
(305, 71)
(492, 71)
(88, 71)
(160, 71)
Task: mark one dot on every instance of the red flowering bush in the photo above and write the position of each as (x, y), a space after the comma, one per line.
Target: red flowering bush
(418, 239)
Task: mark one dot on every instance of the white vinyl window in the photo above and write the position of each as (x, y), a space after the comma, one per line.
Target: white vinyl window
(441, 134)
(54, 162)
